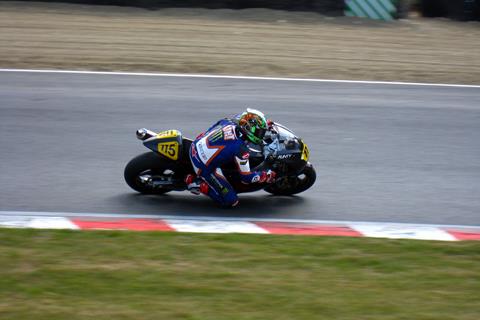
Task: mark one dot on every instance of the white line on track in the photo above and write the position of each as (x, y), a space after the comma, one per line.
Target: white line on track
(212, 76)
(207, 218)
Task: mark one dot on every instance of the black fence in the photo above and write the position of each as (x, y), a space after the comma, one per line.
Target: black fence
(332, 7)
(454, 9)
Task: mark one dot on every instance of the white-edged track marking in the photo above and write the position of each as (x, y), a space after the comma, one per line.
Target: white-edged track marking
(397, 231)
(49, 220)
(219, 226)
(52, 223)
(213, 76)
(211, 218)
(37, 222)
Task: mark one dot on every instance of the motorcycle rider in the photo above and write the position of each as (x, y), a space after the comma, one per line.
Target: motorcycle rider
(225, 142)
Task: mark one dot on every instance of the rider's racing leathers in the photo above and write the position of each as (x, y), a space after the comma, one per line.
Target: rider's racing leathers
(221, 144)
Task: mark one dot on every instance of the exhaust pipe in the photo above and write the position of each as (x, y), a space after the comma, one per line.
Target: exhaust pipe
(144, 134)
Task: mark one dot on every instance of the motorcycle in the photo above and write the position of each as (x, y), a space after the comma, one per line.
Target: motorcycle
(164, 168)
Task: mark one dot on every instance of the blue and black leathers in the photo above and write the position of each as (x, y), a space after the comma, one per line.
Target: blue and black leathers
(220, 145)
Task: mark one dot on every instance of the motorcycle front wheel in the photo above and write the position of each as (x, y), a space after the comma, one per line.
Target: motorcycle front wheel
(292, 185)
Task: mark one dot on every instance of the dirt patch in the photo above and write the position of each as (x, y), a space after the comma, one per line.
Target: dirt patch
(245, 42)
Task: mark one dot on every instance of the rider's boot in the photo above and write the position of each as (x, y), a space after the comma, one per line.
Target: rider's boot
(196, 185)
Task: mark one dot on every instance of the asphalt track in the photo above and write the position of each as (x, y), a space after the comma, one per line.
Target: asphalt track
(383, 152)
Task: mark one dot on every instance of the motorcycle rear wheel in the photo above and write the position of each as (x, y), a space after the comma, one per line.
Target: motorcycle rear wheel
(296, 184)
(143, 166)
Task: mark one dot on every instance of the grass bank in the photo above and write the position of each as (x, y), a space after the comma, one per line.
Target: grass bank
(245, 42)
(123, 275)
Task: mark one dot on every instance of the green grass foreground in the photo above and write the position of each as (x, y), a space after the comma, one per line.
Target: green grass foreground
(126, 275)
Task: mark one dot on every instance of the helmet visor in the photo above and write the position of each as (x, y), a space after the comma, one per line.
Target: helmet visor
(257, 134)
(260, 133)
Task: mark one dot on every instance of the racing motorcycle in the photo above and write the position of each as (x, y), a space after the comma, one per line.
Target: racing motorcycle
(165, 167)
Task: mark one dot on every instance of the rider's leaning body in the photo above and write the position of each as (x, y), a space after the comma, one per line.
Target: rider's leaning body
(223, 143)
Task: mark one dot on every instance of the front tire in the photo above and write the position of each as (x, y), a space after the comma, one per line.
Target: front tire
(144, 165)
(294, 185)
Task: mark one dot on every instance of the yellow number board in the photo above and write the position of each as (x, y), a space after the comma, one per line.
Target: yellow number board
(305, 152)
(169, 149)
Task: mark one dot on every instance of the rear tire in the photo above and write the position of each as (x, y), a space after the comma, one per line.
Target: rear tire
(144, 164)
(296, 184)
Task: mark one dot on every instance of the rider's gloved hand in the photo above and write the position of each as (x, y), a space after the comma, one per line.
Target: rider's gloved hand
(268, 176)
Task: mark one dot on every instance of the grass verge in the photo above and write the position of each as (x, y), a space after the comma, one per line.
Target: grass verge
(124, 275)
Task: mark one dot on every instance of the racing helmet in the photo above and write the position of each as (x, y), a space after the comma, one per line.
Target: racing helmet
(254, 125)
